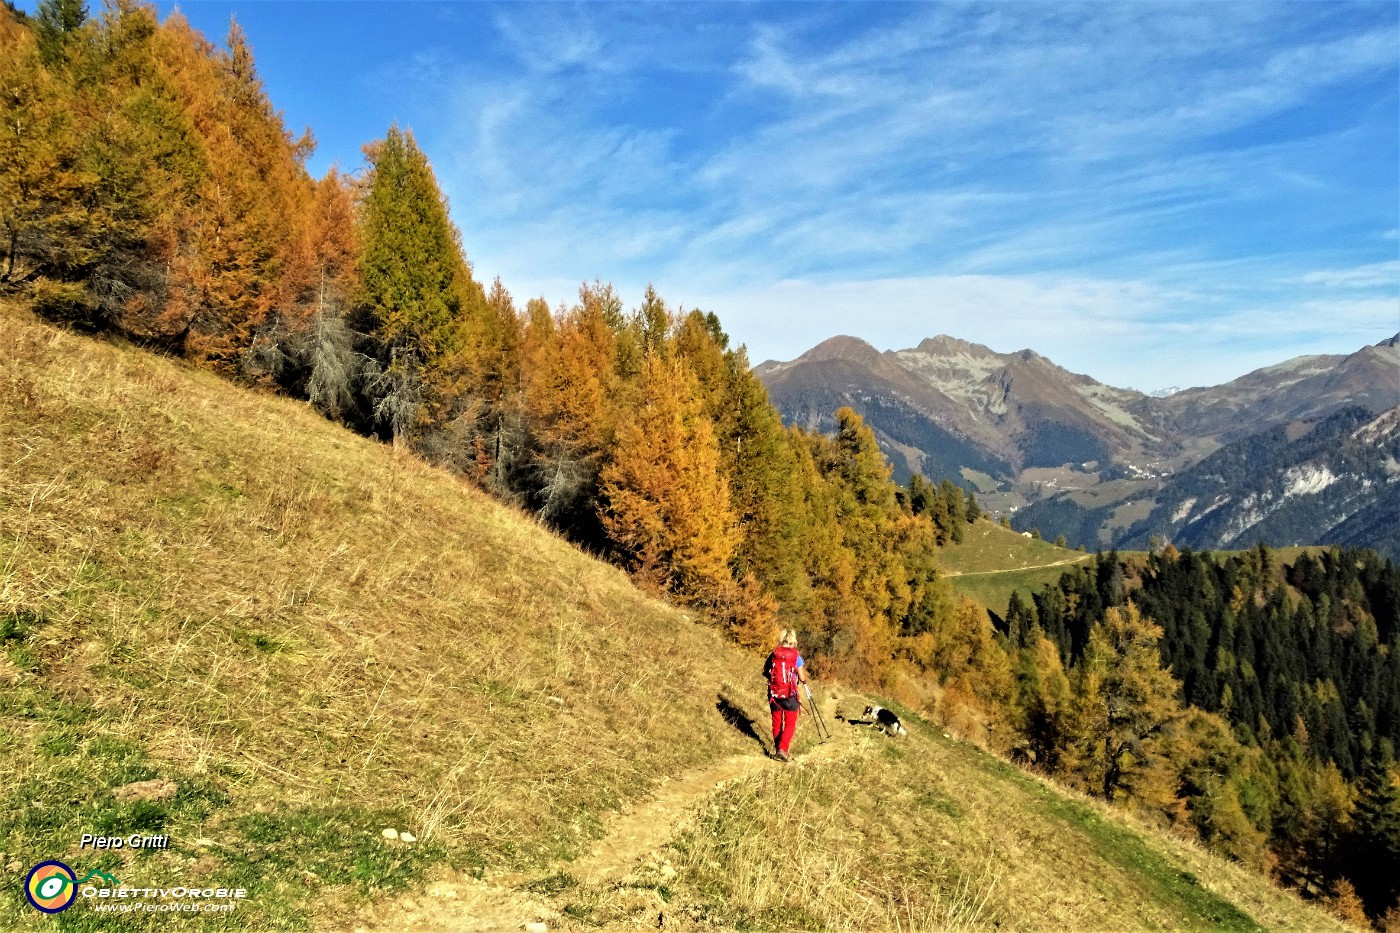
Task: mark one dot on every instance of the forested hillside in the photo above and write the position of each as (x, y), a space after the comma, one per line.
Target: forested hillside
(1291, 683)
(150, 192)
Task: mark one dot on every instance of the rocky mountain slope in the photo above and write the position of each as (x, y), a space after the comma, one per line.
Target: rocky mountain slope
(1011, 411)
(1023, 430)
(1337, 484)
(1305, 388)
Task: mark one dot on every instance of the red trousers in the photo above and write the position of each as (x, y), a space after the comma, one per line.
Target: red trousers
(784, 725)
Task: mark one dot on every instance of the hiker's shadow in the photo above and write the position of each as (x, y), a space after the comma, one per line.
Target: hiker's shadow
(736, 717)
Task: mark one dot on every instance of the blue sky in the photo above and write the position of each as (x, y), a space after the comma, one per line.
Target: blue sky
(1154, 194)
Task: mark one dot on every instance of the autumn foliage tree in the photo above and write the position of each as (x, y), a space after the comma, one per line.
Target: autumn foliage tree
(666, 503)
(43, 184)
(149, 188)
(307, 345)
(156, 191)
(569, 388)
(1125, 702)
(252, 204)
(78, 189)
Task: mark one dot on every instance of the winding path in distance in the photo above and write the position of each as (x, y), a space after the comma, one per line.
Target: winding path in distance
(988, 573)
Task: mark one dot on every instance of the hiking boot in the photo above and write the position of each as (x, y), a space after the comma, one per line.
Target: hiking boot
(783, 756)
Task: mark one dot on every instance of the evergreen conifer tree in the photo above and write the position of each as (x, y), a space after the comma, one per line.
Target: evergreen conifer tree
(974, 511)
(1372, 853)
(55, 22)
(416, 283)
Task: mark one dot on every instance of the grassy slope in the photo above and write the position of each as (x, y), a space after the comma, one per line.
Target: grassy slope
(992, 562)
(317, 639)
(931, 834)
(314, 638)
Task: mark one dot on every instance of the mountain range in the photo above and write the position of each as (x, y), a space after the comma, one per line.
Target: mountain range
(1106, 466)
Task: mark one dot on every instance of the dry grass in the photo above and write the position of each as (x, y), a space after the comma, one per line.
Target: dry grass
(871, 833)
(317, 639)
(266, 607)
(928, 834)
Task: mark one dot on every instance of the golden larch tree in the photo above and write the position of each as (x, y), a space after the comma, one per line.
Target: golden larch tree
(666, 504)
(1124, 702)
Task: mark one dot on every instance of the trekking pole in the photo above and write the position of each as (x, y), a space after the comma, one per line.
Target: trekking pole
(822, 729)
(817, 711)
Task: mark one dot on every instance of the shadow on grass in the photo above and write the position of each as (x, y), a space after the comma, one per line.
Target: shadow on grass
(740, 720)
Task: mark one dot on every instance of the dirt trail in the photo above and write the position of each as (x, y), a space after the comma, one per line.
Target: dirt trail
(988, 573)
(468, 905)
(630, 835)
(646, 828)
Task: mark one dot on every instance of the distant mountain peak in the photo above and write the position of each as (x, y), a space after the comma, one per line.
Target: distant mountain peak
(840, 347)
(954, 409)
(944, 345)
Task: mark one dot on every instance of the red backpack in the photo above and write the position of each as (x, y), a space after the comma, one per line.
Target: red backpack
(782, 674)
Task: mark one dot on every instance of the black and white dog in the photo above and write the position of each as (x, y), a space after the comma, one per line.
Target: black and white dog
(886, 721)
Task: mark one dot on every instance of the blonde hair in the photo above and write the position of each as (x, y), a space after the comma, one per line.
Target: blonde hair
(788, 638)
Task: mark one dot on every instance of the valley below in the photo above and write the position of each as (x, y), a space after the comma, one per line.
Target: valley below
(1302, 452)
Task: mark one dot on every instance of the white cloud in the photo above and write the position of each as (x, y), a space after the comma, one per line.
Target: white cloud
(1372, 275)
(1367, 318)
(562, 39)
(1024, 175)
(1004, 313)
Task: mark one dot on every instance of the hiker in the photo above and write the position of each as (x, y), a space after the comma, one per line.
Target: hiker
(784, 672)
